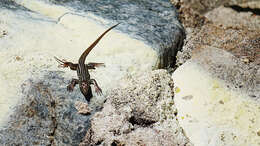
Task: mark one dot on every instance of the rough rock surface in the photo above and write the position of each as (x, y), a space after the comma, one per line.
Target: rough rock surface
(10, 4)
(217, 81)
(236, 20)
(239, 34)
(83, 108)
(218, 99)
(227, 67)
(46, 116)
(140, 112)
(243, 44)
(203, 6)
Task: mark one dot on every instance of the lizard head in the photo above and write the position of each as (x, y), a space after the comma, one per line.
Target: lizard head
(85, 87)
(86, 90)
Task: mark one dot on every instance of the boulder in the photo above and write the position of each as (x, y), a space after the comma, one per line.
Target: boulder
(33, 32)
(46, 115)
(217, 98)
(140, 111)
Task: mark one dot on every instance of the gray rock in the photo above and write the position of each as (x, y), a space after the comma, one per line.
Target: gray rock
(140, 112)
(10, 4)
(155, 22)
(46, 116)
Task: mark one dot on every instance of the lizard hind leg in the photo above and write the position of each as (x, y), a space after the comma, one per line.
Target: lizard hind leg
(72, 84)
(97, 88)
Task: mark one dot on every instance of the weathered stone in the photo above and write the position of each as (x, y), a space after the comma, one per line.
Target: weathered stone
(45, 116)
(154, 22)
(224, 108)
(12, 5)
(32, 54)
(242, 43)
(238, 34)
(217, 93)
(232, 70)
(140, 112)
(203, 6)
(35, 31)
(242, 21)
(82, 108)
(251, 5)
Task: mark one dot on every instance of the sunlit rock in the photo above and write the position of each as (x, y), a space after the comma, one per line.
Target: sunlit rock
(217, 98)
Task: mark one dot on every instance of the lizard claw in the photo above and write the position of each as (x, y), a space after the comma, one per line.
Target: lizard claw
(98, 91)
(62, 63)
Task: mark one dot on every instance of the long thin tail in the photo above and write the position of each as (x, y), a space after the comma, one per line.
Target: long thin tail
(86, 52)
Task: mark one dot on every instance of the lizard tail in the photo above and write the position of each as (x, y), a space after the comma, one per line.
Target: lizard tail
(86, 52)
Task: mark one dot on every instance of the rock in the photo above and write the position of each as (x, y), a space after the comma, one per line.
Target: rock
(153, 22)
(46, 115)
(217, 81)
(250, 5)
(240, 21)
(140, 112)
(224, 108)
(227, 67)
(207, 5)
(82, 108)
(12, 5)
(238, 35)
(36, 52)
(241, 43)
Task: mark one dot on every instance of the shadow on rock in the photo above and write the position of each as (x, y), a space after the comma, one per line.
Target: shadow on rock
(46, 114)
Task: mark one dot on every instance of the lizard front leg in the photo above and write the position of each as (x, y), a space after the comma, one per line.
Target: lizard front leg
(63, 63)
(97, 88)
(72, 84)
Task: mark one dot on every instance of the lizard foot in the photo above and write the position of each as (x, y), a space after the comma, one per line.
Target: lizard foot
(62, 63)
(72, 84)
(98, 90)
(70, 88)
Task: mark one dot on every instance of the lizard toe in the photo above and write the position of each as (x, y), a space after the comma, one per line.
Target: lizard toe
(69, 88)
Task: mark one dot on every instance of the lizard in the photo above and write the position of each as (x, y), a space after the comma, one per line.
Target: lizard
(84, 79)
